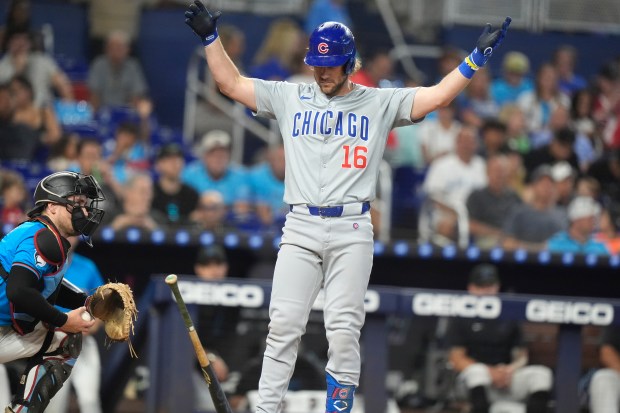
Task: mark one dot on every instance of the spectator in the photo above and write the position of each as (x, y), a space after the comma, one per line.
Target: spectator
(377, 66)
(217, 325)
(439, 135)
(136, 206)
(13, 195)
(565, 178)
(534, 222)
(490, 357)
(494, 140)
(115, 78)
(583, 215)
(107, 16)
(41, 70)
(40, 124)
(18, 19)
(516, 132)
(450, 180)
(63, 154)
(90, 161)
(321, 11)
(605, 383)
(449, 59)
(214, 171)
(606, 108)
(591, 146)
(476, 105)
(130, 154)
(273, 60)
(539, 104)
(489, 207)
(564, 60)
(514, 80)
(9, 144)
(211, 212)
(172, 197)
(85, 378)
(561, 148)
(267, 180)
(607, 172)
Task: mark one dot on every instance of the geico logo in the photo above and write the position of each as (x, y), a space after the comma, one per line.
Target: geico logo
(371, 301)
(228, 295)
(600, 314)
(456, 305)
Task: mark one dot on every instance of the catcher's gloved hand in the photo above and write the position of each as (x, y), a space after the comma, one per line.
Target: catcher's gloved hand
(488, 41)
(113, 303)
(202, 22)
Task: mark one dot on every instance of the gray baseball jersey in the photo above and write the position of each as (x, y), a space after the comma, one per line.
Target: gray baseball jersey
(333, 146)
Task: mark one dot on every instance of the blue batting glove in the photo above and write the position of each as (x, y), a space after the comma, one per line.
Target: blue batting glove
(488, 41)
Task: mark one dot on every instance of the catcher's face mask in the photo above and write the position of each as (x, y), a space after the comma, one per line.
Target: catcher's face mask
(86, 218)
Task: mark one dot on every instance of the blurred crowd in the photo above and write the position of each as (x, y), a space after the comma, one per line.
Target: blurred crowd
(528, 158)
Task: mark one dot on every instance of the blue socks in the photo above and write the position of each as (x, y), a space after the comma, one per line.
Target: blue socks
(339, 396)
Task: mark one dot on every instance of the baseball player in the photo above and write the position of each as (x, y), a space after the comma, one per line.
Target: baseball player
(33, 261)
(334, 134)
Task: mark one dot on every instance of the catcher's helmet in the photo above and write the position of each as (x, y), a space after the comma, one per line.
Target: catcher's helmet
(58, 187)
(331, 44)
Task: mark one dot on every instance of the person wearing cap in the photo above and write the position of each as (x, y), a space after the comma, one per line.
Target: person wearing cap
(491, 358)
(215, 171)
(565, 178)
(216, 325)
(559, 149)
(173, 198)
(536, 220)
(514, 80)
(583, 214)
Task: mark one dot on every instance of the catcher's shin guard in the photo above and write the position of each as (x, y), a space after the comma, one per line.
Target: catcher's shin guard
(339, 396)
(44, 376)
(41, 383)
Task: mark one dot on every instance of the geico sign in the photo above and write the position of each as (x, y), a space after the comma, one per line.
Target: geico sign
(229, 295)
(600, 314)
(371, 301)
(456, 305)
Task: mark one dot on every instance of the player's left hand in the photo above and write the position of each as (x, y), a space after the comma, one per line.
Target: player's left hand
(491, 39)
(202, 21)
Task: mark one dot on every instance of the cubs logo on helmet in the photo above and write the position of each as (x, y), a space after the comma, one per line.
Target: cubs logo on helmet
(331, 45)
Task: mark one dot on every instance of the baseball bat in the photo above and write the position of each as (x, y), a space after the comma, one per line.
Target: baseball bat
(215, 389)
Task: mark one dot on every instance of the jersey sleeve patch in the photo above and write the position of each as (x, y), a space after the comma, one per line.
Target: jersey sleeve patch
(50, 248)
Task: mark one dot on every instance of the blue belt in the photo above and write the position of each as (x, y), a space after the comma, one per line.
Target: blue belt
(332, 211)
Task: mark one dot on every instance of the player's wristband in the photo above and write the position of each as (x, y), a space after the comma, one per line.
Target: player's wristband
(470, 65)
(210, 38)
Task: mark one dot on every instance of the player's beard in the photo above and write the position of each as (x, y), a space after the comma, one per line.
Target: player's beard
(334, 89)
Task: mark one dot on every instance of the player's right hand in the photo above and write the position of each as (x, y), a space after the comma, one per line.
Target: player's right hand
(202, 21)
(75, 323)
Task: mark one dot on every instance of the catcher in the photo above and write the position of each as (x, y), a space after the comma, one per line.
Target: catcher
(33, 260)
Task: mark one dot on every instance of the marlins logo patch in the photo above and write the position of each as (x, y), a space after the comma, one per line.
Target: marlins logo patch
(39, 261)
(323, 48)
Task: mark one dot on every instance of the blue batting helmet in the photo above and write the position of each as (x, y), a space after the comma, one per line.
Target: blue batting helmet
(331, 44)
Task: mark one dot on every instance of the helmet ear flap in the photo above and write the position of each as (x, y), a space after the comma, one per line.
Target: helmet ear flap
(350, 65)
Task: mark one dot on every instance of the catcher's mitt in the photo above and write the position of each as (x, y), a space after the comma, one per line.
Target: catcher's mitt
(113, 303)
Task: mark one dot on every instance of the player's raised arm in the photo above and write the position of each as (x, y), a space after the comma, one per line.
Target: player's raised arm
(428, 99)
(226, 75)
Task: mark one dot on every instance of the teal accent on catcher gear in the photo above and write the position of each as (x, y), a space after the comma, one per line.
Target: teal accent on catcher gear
(331, 45)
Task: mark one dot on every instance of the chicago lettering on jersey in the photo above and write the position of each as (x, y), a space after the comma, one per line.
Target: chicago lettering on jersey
(313, 122)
